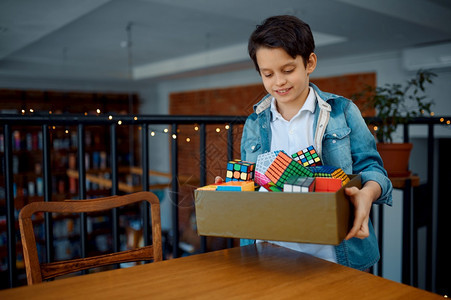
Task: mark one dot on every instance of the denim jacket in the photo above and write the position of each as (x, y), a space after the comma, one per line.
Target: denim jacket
(343, 140)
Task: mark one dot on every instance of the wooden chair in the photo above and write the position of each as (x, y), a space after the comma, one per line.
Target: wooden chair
(37, 272)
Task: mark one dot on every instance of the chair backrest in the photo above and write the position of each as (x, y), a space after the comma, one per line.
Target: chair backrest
(37, 272)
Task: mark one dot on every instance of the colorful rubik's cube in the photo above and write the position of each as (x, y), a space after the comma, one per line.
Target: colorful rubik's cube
(330, 171)
(210, 187)
(263, 162)
(237, 186)
(270, 187)
(308, 157)
(283, 167)
(238, 170)
(299, 184)
(327, 184)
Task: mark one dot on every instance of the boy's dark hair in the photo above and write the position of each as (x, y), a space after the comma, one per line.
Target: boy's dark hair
(286, 32)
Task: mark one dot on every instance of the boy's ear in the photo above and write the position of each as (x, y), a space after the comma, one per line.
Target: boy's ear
(311, 64)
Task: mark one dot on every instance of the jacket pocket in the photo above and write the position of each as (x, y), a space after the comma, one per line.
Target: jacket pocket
(337, 134)
(337, 148)
(254, 147)
(252, 150)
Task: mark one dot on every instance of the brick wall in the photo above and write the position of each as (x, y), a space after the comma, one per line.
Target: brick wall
(347, 86)
(225, 101)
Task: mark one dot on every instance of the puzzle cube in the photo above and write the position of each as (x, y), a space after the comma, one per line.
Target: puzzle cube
(322, 171)
(263, 162)
(210, 187)
(327, 184)
(270, 187)
(238, 170)
(283, 167)
(299, 184)
(236, 186)
(331, 172)
(307, 157)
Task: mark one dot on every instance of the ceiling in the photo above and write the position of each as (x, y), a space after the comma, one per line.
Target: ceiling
(123, 41)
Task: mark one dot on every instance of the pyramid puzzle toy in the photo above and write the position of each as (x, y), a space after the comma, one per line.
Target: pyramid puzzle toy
(299, 184)
(263, 162)
(238, 170)
(283, 167)
(308, 157)
(331, 172)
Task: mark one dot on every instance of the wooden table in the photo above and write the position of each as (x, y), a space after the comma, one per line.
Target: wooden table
(255, 271)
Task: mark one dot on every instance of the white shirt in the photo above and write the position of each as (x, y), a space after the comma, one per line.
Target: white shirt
(292, 136)
(296, 134)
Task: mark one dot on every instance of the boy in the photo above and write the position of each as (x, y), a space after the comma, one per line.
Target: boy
(296, 114)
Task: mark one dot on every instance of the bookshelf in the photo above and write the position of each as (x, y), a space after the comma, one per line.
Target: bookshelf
(28, 175)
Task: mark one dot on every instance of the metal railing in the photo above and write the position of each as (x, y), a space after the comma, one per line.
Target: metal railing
(81, 121)
(144, 121)
(409, 271)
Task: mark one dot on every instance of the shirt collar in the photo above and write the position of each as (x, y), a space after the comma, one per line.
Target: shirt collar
(309, 105)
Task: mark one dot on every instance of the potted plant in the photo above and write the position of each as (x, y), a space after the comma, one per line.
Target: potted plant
(396, 104)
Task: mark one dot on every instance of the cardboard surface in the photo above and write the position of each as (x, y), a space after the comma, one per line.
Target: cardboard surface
(320, 218)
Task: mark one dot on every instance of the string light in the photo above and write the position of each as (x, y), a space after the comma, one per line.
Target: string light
(154, 132)
(196, 126)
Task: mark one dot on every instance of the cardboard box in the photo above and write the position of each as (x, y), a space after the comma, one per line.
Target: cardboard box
(320, 218)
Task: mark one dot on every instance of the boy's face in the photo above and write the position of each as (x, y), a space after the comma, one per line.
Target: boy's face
(284, 77)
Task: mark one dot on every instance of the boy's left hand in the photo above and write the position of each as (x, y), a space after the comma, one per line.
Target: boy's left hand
(362, 199)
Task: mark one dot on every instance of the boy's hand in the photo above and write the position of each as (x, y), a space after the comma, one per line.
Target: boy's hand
(362, 199)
